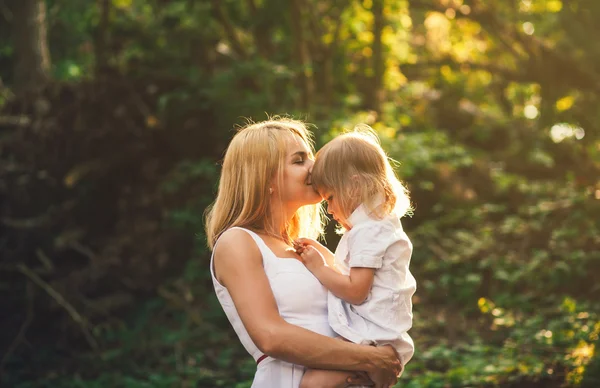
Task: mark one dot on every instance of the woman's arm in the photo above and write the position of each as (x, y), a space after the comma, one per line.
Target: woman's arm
(239, 267)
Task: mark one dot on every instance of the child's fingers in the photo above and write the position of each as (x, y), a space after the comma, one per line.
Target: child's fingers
(298, 246)
(297, 243)
(305, 252)
(307, 255)
(312, 250)
(304, 255)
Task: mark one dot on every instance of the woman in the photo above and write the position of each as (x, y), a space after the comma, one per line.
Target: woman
(276, 306)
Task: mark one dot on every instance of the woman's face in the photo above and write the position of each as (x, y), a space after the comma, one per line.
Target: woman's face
(297, 189)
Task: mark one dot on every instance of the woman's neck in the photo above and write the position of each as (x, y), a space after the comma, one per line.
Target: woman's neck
(277, 222)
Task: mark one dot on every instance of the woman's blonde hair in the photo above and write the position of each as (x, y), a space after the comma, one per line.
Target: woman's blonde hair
(356, 170)
(255, 157)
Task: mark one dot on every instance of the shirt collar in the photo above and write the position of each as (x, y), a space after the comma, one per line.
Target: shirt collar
(362, 213)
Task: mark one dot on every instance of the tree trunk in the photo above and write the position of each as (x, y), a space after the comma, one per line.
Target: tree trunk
(32, 64)
(378, 60)
(305, 79)
(260, 29)
(223, 18)
(102, 38)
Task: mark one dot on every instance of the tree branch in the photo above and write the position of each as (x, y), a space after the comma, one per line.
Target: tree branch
(102, 37)
(23, 329)
(61, 301)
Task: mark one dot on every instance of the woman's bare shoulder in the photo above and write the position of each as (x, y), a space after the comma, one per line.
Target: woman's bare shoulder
(236, 243)
(236, 254)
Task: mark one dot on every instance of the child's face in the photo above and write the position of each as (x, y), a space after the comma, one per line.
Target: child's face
(336, 211)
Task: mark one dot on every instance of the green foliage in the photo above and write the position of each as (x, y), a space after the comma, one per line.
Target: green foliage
(489, 108)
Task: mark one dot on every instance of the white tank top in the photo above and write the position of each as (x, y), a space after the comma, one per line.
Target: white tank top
(301, 298)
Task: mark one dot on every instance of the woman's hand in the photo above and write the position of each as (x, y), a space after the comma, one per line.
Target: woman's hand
(386, 368)
(383, 379)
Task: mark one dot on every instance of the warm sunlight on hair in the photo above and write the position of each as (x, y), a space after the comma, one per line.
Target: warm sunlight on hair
(254, 157)
(355, 169)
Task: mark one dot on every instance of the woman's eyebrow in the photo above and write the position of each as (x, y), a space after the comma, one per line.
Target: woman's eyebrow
(300, 153)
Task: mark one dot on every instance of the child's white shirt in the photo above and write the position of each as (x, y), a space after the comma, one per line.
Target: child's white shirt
(386, 315)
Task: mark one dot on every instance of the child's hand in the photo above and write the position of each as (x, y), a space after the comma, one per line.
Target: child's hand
(301, 243)
(298, 246)
(311, 258)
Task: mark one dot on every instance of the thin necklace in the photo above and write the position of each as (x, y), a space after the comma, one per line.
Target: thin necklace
(275, 236)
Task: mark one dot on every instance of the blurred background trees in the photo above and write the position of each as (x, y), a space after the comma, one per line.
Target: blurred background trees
(114, 116)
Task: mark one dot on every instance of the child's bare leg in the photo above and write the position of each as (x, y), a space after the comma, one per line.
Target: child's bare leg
(321, 378)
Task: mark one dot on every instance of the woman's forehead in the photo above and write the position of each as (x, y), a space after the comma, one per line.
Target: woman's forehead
(296, 144)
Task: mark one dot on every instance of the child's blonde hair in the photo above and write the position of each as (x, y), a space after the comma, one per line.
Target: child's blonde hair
(356, 170)
(253, 159)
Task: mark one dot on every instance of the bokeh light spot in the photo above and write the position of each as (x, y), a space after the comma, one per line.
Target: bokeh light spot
(528, 28)
(530, 112)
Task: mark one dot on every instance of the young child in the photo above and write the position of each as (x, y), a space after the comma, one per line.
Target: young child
(368, 277)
